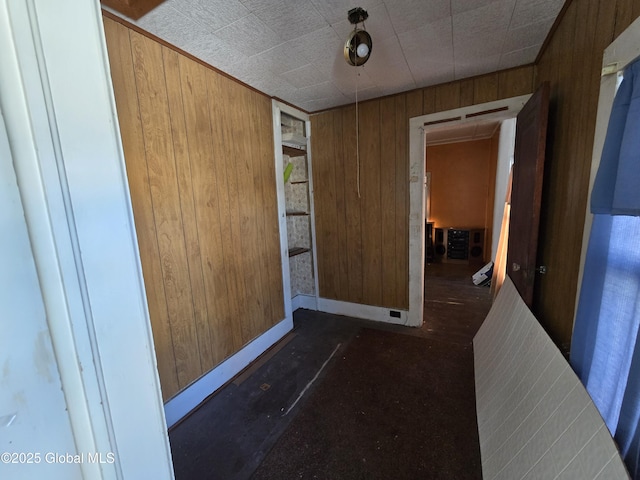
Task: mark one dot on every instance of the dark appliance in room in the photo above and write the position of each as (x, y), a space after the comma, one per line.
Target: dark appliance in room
(459, 245)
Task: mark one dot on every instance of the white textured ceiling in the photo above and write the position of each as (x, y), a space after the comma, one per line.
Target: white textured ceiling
(292, 49)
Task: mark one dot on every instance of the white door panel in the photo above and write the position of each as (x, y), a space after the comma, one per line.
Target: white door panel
(35, 432)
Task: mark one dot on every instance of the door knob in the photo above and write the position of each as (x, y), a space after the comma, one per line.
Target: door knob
(515, 267)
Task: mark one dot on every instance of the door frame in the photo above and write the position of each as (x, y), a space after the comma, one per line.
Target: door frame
(59, 110)
(418, 127)
(310, 302)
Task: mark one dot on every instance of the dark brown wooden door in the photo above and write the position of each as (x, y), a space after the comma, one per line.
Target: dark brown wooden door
(526, 192)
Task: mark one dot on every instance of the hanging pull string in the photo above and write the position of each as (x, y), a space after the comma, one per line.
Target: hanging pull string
(357, 123)
(357, 137)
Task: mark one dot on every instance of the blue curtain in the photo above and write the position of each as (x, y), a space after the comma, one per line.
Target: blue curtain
(616, 188)
(605, 348)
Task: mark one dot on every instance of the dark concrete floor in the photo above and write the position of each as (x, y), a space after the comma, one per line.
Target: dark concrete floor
(232, 432)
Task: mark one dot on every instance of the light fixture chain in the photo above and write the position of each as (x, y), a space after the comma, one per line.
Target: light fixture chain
(357, 137)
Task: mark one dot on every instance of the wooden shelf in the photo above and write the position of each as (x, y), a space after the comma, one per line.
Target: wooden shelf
(294, 145)
(297, 214)
(298, 251)
(295, 140)
(293, 151)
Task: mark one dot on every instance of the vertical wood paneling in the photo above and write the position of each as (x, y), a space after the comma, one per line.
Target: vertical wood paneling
(515, 82)
(565, 143)
(352, 199)
(467, 88)
(332, 273)
(388, 199)
(583, 42)
(428, 100)
(341, 206)
(377, 224)
(269, 215)
(199, 153)
(416, 100)
(402, 202)
(624, 16)
(326, 193)
(594, 61)
(207, 196)
(266, 208)
(635, 9)
(485, 88)
(245, 253)
(370, 204)
(165, 197)
(447, 96)
(322, 168)
(120, 58)
(191, 235)
(255, 185)
(224, 256)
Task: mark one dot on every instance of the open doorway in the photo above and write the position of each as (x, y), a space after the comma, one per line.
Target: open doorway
(453, 124)
(467, 166)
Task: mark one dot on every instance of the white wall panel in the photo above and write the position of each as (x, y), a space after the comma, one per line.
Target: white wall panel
(535, 419)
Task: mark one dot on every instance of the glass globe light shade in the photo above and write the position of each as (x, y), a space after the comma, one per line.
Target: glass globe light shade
(362, 50)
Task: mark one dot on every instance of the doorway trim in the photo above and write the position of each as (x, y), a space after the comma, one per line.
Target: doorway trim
(59, 113)
(418, 127)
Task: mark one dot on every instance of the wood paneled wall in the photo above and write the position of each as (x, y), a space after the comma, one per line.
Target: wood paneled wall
(362, 240)
(571, 62)
(199, 154)
(201, 177)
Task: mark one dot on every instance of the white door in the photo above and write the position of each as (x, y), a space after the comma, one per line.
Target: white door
(35, 432)
(74, 325)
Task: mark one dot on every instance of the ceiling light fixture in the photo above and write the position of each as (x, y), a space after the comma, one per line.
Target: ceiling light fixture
(357, 48)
